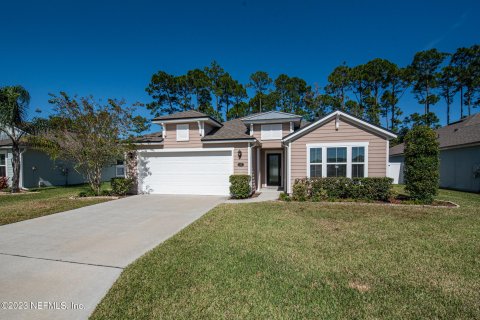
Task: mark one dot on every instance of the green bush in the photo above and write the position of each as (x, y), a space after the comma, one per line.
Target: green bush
(88, 193)
(300, 190)
(284, 197)
(421, 164)
(240, 186)
(106, 193)
(121, 186)
(320, 189)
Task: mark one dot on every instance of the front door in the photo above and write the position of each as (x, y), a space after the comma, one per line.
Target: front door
(274, 169)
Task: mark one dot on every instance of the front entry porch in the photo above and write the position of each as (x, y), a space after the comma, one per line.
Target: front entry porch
(269, 168)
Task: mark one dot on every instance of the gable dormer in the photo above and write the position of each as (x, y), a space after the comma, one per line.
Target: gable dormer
(185, 129)
(270, 127)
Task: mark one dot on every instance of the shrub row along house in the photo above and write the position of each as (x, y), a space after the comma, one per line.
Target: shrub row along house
(459, 155)
(195, 154)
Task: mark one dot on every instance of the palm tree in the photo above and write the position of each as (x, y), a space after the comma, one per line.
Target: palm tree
(14, 102)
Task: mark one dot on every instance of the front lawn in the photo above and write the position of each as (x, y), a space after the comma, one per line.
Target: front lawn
(14, 208)
(309, 260)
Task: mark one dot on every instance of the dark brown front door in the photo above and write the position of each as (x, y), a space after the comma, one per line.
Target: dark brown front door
(274, 169)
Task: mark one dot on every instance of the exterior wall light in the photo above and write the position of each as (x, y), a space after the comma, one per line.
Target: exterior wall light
(239, 154)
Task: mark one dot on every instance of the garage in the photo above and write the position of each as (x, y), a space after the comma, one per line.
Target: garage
(204, 172)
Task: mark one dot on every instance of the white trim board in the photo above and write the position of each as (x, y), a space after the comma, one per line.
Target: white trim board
(229, 141)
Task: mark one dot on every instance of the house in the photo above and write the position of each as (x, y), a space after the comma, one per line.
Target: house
(195, 154)
(38, 170)
(459, 155)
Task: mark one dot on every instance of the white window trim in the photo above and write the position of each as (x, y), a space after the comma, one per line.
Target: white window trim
(183, 126)
(347, 145)
(273, 129)
(6, 161)
(118, 166)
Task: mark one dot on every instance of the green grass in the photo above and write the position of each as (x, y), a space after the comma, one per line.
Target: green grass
(14, 208)
(282, 260)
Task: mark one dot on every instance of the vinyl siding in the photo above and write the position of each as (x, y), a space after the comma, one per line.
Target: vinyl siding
(347, 132)
(195, 140)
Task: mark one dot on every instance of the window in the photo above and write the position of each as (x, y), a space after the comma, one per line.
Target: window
(337, 162)
(358, 162)
(120, 169)
(316, 162)
(183, 132)
(348, 159)
(271, 131)
(3, 165)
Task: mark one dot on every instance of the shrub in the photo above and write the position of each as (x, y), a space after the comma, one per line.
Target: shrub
(284, 197)
(240, 186)
(421, 163)
(3, 183)
(121, 186)
(88, 193)
(371, 188)
(320, 189)
(300, 190)
(106, 193)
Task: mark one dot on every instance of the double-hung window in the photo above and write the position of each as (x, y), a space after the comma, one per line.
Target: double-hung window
(337, 160)
(358, 162)
(315, 162)
(3, 165)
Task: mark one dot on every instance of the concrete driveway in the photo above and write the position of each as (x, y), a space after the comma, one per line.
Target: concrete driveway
(60, 266)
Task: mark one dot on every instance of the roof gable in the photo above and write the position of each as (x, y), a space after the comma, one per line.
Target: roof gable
(338, 114)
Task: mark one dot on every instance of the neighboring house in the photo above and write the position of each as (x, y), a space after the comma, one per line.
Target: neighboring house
(38, 170)
(459, 155)
(196, 154)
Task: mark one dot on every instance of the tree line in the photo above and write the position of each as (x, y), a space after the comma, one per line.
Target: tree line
(372, 91)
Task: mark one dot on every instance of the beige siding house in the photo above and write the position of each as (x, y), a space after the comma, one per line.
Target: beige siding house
(196, 154)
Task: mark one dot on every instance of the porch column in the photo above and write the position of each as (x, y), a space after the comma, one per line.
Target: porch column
(259, 178)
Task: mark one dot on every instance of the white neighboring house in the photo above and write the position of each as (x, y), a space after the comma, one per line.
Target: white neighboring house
(38, 170)
(459, 155)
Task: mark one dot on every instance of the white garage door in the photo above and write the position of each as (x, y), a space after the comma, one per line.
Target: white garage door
(192, 172)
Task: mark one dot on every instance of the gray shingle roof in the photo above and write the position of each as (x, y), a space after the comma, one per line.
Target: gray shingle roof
(231, 130)
(271, 115)
(463, 132)
(182, 115)
(155, 137)
(5, 142)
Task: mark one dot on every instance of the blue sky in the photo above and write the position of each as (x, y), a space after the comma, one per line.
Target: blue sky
(111, 49)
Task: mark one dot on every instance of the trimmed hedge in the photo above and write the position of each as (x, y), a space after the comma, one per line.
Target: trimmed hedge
(240, 186)
(121, 186)
(422, 163)
(320, 189)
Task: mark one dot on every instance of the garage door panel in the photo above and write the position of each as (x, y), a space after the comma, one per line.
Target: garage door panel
(199, 172)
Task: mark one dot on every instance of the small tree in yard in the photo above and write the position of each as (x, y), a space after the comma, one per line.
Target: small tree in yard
(90, 134)
(14, 101)
(421, 163)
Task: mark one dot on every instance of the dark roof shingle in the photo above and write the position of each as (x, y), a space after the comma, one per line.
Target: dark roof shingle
(182, 115)
(155, 137)
(463, 132)
(231, 130)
